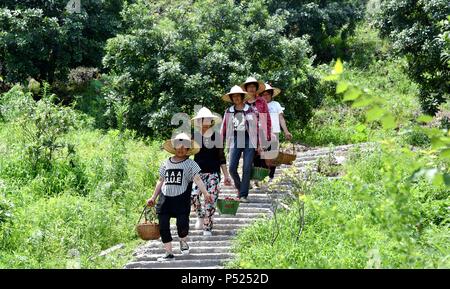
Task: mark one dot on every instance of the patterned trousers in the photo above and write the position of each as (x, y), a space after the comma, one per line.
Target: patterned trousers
(203, 209)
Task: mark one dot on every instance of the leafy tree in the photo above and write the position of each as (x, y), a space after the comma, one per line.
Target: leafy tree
(41, 39)
(418, 30)
(176, 55)
(328, 23)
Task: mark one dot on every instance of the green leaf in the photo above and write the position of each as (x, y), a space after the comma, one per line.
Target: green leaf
(424, 118)
(388, 121)
(331, 77)
(438, 179)
(352, 94)
(362, 101)
(437, 142)
(338, 67)
(342, 86)
(445, 154)
(447, 179)
(374, 113)
(360, 127)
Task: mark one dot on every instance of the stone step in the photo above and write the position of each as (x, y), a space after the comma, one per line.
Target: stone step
(239, 214)
(217, 227)
(176, 264)
(221, 232)
(201, 238)
(192, 244)
(220, 220)
(192, 250)
(180, 257)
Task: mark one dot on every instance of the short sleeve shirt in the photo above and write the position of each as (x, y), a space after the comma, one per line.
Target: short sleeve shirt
(275, 109)
(177, 176)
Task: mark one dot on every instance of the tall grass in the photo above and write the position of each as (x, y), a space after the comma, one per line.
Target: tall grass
(85, 202)
(373, 217)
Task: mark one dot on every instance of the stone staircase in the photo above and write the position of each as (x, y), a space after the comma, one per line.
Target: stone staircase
(214, 251)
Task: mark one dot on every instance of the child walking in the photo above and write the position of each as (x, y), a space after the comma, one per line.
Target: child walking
(211, 159)
(177, 174)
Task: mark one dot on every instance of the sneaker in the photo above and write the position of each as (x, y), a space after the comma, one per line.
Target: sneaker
(167, 257)
(184, 247)
(199, 224)
(244, 200)
(207, 233)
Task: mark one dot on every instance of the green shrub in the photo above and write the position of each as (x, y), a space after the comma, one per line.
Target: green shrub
(372, 218)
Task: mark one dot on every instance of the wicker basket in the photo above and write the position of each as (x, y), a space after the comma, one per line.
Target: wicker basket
(259, 173)
(227, 207)
(148, 230)
(285, 156)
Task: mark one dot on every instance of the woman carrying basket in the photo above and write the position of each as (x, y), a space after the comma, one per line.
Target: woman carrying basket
(174, 189)
(276, 117)
(264, 125)
(211, 158)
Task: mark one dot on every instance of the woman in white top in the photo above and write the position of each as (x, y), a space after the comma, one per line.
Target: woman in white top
(276, 116)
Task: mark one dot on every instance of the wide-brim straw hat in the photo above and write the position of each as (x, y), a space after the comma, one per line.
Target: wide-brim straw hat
(261, 85)
(235, 90)
(193, 146)
(276, 91)
(204, 112)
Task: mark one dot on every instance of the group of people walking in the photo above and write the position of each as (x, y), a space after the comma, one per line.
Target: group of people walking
(250, 129)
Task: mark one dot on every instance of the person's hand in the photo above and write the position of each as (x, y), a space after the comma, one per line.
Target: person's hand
(227, 181)
(288, 135)
(208, 197)
(151, 202)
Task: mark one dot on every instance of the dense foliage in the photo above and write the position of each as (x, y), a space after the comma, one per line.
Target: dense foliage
(65, 189)
(40, 39)
(417, 29)
(327, 23)
(176, 56)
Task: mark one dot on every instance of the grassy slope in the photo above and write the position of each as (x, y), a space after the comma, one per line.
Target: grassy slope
(371, 217)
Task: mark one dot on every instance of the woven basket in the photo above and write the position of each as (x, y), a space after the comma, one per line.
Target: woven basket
(285, 156)
(227, 207)
(147, 230)
(259, 173)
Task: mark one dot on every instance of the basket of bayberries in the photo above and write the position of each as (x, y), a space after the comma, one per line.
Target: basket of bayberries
(228, 206)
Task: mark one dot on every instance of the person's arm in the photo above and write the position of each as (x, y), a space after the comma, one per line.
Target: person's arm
(223, 166)
(198, 181)
(151, 202)
(284, 127)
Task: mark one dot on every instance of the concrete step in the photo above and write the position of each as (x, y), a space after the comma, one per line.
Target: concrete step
(176, 264)
(201, 238)
(220, 220)
(180, 257)
(217, 227)
(192, 244)
(218, 232)
(193, 250)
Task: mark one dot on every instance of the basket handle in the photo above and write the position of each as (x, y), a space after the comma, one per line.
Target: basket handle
(293, 146)
(143, 214)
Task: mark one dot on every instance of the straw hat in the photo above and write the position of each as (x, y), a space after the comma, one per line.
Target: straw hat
(183, 139)
(235, 90)
(260, 88)
(205, 113)
(276, 91)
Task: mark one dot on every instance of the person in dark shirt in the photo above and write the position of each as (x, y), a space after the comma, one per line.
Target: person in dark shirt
(210, 158)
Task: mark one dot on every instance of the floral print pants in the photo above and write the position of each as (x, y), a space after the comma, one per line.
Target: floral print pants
(203, 209)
